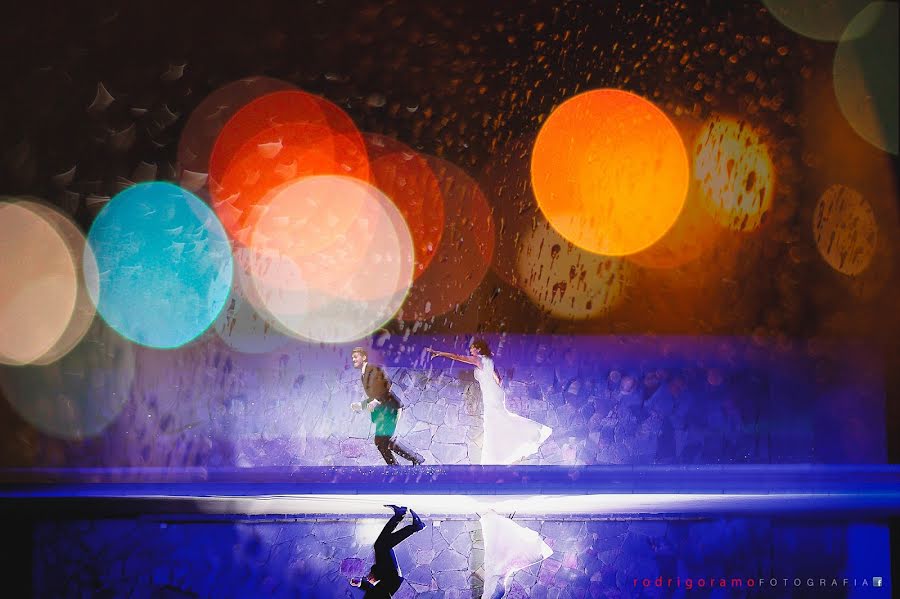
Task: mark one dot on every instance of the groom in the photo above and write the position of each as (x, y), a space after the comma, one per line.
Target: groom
(385, 578)
(385, 408)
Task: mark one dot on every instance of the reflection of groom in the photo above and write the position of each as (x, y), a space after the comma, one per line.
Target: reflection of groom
(385, 408)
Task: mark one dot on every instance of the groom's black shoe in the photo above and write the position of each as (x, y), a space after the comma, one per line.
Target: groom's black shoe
(418, 460)
(417, 522)
(399, 510)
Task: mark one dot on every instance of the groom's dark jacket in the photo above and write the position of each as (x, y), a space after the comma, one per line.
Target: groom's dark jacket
(377, 386)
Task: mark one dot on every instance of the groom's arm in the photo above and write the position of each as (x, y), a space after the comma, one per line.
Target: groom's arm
(362, 583)
(378, 391)
(380, 386)
(369, 404)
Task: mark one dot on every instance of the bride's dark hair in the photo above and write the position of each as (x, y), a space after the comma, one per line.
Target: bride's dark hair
(482, 347)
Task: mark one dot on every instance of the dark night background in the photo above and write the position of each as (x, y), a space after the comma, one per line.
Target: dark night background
(471, 82)
(451, 81)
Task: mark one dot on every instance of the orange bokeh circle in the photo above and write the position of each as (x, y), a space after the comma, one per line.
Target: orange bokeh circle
(277, 156)
(694, 232)
(405, 177)
(465, 251)
(609, 172)
(209, 118)
(272, 110)
(507, 182)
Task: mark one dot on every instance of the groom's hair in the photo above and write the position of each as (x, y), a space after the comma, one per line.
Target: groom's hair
(360, 350)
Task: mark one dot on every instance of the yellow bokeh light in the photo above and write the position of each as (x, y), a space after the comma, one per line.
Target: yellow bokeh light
(735, 173)
(609, 172)
(845, 230)
(566, 281)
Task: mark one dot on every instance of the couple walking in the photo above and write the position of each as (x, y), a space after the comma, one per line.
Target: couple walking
(507, 437)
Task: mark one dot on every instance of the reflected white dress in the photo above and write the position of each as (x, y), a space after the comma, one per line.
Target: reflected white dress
(507, 437)
(508, 548)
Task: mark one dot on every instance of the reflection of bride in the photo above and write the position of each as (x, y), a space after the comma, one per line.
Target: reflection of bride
(508, 548)
(508, 437)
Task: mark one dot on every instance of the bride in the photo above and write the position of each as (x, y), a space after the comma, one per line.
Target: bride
(507, 437)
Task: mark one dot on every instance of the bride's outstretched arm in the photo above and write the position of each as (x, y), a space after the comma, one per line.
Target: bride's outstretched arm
(467, 359)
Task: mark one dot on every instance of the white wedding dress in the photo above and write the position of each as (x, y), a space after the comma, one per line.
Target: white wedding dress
(507, 437)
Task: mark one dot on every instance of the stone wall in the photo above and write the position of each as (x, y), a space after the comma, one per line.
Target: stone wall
(609, 400)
